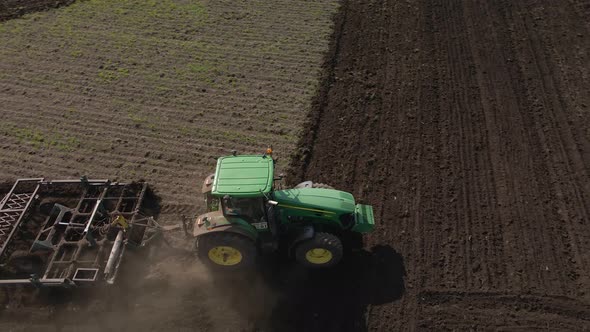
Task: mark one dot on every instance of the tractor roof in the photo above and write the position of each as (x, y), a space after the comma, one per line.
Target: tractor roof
(244, 176)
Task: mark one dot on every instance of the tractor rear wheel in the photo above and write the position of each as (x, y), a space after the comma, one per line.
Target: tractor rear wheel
(322, 186)
(226, 251)
(323, 250)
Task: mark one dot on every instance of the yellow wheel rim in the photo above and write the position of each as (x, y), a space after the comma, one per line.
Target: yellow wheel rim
(318, 256)
(224, 255)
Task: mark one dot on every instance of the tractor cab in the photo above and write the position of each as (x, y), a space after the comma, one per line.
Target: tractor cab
(239, 179)
(240, 188)
(243, 176)
(250, 209)
(243, 183)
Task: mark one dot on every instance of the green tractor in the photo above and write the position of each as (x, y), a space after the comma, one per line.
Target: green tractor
(247, 215)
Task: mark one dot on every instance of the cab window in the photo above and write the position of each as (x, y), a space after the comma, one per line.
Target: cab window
(250, 209)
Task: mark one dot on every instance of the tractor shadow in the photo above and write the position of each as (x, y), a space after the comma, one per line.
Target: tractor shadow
(285, 296)
(336, 299)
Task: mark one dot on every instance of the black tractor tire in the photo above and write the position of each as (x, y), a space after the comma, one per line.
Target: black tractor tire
(323, 250)
(226, 251)
(321, 186)
(23, 262)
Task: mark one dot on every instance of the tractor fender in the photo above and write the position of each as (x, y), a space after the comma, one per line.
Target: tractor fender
(304, 184)
(227, 228)
(301, 235)
(215, 221)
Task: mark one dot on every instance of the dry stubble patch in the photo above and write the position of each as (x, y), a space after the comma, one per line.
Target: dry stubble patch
(156, 89)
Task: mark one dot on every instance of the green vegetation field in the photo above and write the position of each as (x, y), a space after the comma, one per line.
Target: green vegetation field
(156, 90)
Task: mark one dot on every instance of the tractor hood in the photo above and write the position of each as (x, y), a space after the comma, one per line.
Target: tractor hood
(336, 201)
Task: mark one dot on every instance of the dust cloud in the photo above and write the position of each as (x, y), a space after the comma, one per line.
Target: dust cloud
(160, 289)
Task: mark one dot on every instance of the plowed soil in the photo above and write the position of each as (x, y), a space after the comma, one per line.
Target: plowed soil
(466, 125)
(14, 8)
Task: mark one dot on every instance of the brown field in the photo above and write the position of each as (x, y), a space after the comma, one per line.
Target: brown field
(465, 124)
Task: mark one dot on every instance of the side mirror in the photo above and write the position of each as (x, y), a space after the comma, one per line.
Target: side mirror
(273, 202)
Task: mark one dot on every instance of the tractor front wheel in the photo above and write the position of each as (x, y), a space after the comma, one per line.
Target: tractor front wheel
(226, 251)
(323, 250)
